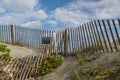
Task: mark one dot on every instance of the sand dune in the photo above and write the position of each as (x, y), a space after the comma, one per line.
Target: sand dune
(18, 51)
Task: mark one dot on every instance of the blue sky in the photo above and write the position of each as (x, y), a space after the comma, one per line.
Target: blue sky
(56, 14)
(50, 5)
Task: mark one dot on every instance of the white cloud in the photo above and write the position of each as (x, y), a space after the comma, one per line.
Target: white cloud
(31, 24)
(40, 14)
(17, 18)
(35, 15)
(19, 5)
(6, 19)
(80, 11)
(70, 17)
(52, 22)
(21, 12)
(2, 10)
(110, 9)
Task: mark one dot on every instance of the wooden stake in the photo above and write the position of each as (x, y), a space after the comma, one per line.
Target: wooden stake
(12, 34)
(66, 42)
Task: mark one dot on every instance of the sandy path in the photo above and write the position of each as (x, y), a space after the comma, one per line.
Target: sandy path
(64, 71)
(17, 51)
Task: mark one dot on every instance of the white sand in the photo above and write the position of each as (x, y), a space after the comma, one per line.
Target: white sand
(17, 51)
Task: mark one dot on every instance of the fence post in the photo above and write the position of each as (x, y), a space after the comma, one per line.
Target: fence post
(66, 42)
(12, 34)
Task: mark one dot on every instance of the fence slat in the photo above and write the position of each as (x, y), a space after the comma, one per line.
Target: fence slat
(84, 37)
(96, 39)
(96, 27)
(87, 35)
(119, 22)
(112, 35)
(71, 40)
(92, 44)
(83, 45)
(103, 35)
(107, 35)
(78, 39)
(116, 31)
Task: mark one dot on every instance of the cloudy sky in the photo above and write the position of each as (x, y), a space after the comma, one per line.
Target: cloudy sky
(56, 14)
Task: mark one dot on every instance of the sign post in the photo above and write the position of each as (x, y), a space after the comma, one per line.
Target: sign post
(46, 41)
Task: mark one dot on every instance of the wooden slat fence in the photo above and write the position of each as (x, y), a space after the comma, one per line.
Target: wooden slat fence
(94, 36)
(5, 33)
(22, 67)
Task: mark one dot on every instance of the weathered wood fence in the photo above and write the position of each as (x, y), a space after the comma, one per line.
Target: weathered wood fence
(94, 36)
(22, 67)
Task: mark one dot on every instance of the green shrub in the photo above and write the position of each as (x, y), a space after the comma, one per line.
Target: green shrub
(2, 47)
(32, 74)
(6, 51)
(48, 64)
(6, 56)
(55, 61)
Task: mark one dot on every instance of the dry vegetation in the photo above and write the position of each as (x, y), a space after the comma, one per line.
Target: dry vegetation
(98, 66)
